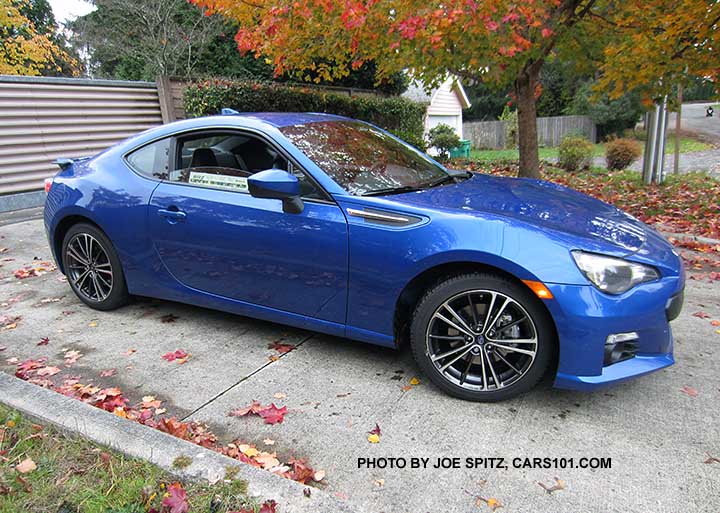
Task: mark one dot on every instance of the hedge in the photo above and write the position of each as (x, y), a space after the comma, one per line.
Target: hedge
(400, 116)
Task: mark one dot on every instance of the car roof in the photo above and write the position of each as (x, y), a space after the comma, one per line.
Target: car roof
(283, 119)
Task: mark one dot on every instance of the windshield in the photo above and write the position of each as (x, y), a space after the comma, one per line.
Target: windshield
(363, 159)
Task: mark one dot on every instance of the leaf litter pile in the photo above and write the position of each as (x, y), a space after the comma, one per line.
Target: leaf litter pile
(147, 413)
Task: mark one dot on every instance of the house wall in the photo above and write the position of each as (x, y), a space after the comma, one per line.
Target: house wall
(445, 107)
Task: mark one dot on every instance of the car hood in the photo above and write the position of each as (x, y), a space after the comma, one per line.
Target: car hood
(540, 203)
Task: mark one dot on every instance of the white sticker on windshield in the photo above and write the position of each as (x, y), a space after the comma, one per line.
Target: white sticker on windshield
(232, 183)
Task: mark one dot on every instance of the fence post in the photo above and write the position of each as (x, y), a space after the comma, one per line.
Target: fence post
(165, 96)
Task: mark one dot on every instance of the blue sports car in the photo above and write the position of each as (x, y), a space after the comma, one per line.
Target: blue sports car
(334, 225)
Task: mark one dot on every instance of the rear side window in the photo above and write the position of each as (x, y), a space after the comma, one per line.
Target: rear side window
(151, 160)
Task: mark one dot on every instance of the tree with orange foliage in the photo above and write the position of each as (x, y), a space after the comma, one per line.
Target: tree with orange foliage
(504, 42)
(25, 51)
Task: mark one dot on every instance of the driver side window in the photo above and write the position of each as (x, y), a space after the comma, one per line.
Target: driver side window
(224, 160)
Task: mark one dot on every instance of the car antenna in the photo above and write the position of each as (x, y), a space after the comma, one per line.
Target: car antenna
(228, 112)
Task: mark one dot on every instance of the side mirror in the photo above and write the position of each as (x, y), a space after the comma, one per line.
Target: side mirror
(277, 184)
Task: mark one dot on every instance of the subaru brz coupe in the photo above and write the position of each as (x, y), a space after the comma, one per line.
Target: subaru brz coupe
(334, 225)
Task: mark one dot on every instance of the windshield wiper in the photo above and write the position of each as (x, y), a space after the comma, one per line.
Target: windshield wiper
(393, 190)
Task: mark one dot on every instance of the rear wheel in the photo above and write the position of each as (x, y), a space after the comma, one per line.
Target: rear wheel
(482, 337)
(92, 268)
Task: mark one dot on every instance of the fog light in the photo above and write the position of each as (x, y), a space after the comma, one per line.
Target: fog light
(614, 338)
(620, 347)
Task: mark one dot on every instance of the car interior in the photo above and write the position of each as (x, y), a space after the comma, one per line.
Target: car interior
(232, 155)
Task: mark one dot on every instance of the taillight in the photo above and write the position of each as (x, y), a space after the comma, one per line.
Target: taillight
(48, 184)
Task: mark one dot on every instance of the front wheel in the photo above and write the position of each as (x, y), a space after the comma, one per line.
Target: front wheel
(482, 337)
(92, 268)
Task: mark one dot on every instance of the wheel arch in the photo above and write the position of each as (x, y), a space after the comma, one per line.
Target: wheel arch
(416, 287)
(61, 229)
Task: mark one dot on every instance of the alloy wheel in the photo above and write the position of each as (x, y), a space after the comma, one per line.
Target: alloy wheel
(89, 268)
(481, 340)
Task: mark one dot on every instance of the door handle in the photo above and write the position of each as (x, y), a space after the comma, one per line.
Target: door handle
(172, 214)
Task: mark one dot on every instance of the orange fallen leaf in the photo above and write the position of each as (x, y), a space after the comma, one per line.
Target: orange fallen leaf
(559, 485)
(689, 391)
(25, 466)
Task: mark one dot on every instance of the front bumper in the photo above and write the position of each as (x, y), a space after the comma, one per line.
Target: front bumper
(585, 317)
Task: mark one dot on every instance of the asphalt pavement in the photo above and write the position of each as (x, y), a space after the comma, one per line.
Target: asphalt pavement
(656, 431)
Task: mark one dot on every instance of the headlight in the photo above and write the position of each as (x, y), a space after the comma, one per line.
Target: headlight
(613, 275)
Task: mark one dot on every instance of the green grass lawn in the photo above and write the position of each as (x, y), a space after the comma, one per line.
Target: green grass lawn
(687, 145)
(73, 475)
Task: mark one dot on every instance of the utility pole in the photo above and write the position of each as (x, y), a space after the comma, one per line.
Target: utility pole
(678, 116)
(654, 158)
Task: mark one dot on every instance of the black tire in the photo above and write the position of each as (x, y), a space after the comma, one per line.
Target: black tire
(110, 296)
(458, 288)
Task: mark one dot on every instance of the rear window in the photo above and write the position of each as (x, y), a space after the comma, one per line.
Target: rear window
(151, 160)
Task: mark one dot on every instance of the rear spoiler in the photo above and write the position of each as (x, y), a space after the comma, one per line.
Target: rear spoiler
(66, 162)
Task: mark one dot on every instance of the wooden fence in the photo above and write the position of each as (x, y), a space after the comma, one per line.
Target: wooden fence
(551, 130)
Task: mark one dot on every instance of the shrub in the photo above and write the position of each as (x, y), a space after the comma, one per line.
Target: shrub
(444, 138)
(511, 126)
(400, 116)
(620, 153)
(576, 152)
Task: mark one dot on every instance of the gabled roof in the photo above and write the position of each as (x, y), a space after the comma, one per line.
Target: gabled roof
(416, 92)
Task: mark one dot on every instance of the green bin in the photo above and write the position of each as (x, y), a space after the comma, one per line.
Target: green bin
(462, 151)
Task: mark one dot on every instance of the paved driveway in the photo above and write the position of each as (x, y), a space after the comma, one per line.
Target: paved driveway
(657, 436)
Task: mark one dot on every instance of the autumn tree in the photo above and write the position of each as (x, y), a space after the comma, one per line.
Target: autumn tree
(502, 42)
(30, 47)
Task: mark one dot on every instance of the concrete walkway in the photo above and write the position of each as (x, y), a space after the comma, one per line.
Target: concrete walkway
(656, 435)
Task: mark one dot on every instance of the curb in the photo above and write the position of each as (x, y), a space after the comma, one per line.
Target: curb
(161, 449)
(685, 236)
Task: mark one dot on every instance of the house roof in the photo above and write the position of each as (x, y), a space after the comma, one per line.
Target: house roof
(416, 92)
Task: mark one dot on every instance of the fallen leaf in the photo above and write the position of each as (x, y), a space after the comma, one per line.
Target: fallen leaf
(269, 441)
(108, 373)
(273, 357)
(319, 475)
(176, 499)
(48, 371)
(25, 466)
(373, 439)
(267, 460)
(414, 381)
(43, 341)
(272, 414)
(12, 361)
(279, 395)
(268, 507)
(711, 459)
(254, 408)
(689, 391)
(178, 354)
(701, 315)
(379, 483)
(24, 483)
(714, 323)
(280, 347)
(71, 357)
(93, 324)
(559, 485)
(130, 352)
(376, 430)
(406, 388)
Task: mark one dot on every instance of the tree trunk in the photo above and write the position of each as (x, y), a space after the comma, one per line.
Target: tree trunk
(525, 86)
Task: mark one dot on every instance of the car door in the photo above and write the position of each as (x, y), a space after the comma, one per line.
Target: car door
(214, 237)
